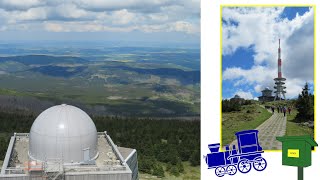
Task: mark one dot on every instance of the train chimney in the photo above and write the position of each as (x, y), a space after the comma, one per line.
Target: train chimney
(214, 147)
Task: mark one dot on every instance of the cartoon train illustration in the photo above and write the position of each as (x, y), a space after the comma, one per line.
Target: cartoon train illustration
(247, 156)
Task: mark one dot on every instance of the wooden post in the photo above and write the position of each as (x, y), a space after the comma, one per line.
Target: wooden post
(300, 173)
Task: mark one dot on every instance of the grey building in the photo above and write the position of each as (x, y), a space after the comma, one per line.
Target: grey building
(237, 99)
(266, 95)
(63, 143)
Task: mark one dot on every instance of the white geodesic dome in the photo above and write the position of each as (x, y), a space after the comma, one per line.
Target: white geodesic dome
(64, 133)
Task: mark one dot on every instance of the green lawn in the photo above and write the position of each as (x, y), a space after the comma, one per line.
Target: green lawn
(190, 172)
(294, 129)
(250, 117)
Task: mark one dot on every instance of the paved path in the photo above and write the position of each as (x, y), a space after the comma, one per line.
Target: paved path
(268, 131)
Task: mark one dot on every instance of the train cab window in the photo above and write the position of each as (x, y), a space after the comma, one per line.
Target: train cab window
(247, 139)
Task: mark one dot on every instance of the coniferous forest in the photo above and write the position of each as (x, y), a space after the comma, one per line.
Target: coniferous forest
(157, 142)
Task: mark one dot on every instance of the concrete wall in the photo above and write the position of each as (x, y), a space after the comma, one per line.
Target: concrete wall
(132, 162)
(8, 154)
(91, 176)
(99, 177)
(18, 177)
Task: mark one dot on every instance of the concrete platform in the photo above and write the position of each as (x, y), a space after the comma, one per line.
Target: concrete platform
(110, 163)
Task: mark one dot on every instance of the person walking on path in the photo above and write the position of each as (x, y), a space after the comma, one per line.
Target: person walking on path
(284, 111)
(289, 110)
(278, 108)
(281, 108)
(272, 108)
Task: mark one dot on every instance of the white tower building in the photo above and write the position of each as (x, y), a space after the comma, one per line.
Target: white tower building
(279, 81)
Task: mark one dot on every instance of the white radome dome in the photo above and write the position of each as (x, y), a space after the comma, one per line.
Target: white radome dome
(64, 133)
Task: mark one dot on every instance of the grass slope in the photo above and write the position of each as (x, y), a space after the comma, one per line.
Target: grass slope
(250, 117)
(295, 129)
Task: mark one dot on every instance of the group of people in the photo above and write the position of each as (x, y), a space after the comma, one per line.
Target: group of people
(281, 109)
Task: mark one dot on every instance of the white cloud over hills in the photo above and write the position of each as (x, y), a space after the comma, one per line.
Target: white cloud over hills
(260, 29)
(101, 15)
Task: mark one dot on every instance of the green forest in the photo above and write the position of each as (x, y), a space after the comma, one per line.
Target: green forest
(157, 142)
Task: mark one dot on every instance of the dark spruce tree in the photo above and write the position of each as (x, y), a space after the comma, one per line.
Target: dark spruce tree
(305, 106)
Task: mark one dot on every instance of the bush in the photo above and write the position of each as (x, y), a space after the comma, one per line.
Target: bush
(174, 171)
(3, 147)
(195, 158)
(146, 164)
(229, 106)
(158, 171)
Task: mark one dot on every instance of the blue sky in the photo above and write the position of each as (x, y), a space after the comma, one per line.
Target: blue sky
(111, 20)
(250, 44)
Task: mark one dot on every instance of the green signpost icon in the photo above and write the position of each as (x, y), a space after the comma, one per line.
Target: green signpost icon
(296, 151)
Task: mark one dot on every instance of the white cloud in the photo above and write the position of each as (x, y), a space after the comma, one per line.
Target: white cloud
(28, 15)
(104, 15)
(294, 87)
(300, 51)
(19, 4)
(249, 76)
(182, 26)
(102, 5)
(123, 17)
(70, 11)
(158, 17)
(244, 95)
(82, 27)
(260, 29)
(96, 26)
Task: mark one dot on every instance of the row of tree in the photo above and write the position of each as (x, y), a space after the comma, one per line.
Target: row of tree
(234, 104)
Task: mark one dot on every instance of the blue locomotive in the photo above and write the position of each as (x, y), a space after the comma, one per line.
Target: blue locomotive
(247, 156)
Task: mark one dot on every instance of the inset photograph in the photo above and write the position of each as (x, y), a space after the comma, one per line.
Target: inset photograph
(100, 89)
(267, 72)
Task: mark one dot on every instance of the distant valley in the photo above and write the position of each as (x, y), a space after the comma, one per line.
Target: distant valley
(115, 81)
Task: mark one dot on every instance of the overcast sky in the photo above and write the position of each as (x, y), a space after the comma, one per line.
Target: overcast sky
(141, 20)
(250, 49)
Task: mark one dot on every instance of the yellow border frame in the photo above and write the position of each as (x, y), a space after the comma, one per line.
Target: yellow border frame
(314, 55)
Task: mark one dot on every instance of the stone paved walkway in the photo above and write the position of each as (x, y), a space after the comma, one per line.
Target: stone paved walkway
(268, 131)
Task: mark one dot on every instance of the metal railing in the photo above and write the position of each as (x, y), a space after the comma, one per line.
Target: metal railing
(114, 148)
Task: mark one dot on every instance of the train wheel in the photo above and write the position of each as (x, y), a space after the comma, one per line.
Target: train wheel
(244, 166)
(259, 164)
(231, 170)
(220, 171)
